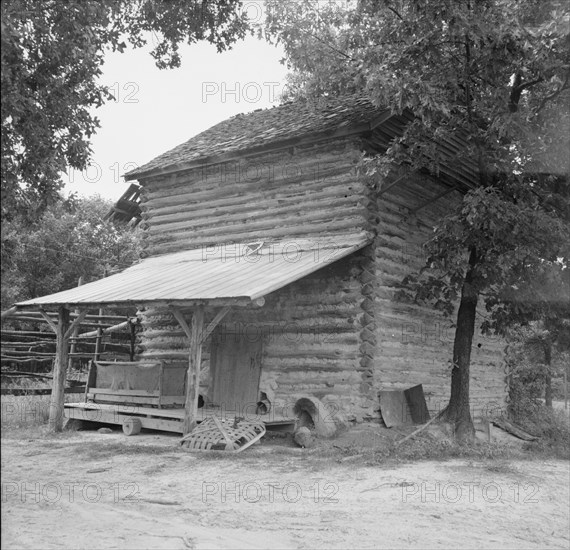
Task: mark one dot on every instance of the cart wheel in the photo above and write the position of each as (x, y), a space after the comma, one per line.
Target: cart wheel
(132, 426)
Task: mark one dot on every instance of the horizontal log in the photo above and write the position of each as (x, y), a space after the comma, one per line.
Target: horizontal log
(245, 234)
(108, 330)
(245, 208)
(218, 196)
(235, 227)
(317, 155)
(14, 354)
(20, 317)
(7, 360)
(37, 343)
(8, 312)
(72, 315)
(27, 334)
(39, 391)
(284, 367)
(309, 211)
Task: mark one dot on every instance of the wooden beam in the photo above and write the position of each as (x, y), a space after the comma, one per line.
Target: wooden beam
(75, 331)
(193, 376)
(395, 182)
(214, 323)
(99, 338)
(434, 199)
(39, 318)
(49, 320)
(181, 321)
(108, 330)
(55, 422)
(187, 304)
(197, 336)
(39, 391)
(9, 312)
(132, 332)
(98, 341)
(75, 324)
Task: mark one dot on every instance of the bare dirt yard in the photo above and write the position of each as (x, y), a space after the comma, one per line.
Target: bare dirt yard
(90, 490)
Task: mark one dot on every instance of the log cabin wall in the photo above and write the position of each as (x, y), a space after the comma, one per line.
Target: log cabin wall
(307, 191)
(311, 341)
(415, 342)
(311, 328)
(339, 334)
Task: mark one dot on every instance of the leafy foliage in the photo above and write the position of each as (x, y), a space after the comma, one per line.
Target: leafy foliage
(71, 240)
(52, 54)
(522, 258)
(527, 379)
(494, 74)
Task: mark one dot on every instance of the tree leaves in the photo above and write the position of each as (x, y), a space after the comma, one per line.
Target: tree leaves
(495, 74)
(52, 54)
(70, 240)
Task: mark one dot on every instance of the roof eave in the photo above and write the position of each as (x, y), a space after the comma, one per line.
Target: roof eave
(213, 302)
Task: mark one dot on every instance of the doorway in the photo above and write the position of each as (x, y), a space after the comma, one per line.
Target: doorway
(235, 363)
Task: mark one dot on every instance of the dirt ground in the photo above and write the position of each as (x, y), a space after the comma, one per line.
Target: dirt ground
(89, 490)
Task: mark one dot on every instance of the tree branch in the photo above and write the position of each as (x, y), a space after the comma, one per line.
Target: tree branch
(517, 89)
(395, 12)
(328, 45)
(546, 99)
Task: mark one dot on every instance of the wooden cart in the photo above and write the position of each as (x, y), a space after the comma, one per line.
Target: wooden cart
(134, 395)
(144, 395)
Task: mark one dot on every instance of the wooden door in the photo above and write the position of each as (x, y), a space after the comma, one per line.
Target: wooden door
(236, 368)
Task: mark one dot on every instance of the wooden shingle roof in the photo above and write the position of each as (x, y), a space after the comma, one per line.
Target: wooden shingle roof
(324, 118)
(304, 122)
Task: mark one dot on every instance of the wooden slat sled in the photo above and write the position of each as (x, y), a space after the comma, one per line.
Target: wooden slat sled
(218, 434)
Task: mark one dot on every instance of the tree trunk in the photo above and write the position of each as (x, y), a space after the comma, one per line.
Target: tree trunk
(548, 379)
(457, 411)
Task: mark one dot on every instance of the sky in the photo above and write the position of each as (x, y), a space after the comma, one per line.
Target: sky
(156, 110)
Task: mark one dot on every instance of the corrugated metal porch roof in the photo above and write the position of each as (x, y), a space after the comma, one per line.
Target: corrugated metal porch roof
(249, 270)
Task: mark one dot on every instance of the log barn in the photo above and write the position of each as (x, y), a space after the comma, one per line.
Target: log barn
(269, 277)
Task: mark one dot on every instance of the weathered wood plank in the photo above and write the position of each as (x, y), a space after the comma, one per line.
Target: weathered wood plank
(193, 377)
(55, 421)
(214, 323)
(48, 320)
(108, 391)
(135, 399)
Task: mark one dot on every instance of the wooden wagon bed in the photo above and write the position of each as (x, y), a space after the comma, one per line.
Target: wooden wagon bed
(145, 395)
(164, 419)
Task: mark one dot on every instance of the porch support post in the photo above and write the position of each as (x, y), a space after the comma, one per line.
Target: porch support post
(193, 377)
(196, 335)
(63, 331)
(55, 422)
